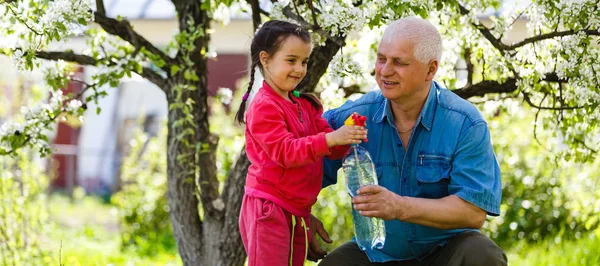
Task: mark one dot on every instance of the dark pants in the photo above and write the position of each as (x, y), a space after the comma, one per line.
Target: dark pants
(465, 249)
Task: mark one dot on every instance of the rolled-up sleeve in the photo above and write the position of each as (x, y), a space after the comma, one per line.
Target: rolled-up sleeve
(475, 175)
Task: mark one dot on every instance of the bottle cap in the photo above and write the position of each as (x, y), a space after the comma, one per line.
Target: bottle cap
(358, 120)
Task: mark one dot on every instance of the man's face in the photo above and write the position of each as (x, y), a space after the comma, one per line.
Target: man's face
(398, 73)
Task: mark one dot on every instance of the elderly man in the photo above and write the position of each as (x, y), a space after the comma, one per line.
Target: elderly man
(438, 175)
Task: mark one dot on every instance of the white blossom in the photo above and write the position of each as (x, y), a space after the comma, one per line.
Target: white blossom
(221, 14)
(73, 105)
(225, 95)
(343, 66)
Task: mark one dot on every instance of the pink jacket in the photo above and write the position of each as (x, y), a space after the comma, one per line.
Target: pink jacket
(285, 142)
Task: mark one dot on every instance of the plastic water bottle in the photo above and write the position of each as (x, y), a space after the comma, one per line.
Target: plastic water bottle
(359, 171)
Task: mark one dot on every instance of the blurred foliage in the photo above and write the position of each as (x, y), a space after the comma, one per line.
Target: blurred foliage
(545, 196)
(142, 203)
(334, 209)
(23, 214)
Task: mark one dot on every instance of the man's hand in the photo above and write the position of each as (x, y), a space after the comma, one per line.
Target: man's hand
(377, 201)
(315, 252)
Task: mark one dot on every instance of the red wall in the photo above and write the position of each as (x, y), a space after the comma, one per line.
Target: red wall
(66, 164)
(225, 70)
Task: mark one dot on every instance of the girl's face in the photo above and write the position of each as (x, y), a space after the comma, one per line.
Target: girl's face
(287, 67)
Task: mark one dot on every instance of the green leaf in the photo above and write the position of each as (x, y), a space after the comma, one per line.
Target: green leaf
(98, 109)
(114, 83)
(375, 21)
(174, 70)
(187, 74)
(159, 63)
(61, 27)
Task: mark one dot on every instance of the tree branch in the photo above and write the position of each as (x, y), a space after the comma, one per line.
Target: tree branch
(582, 142)
(100, 7)
(17, 17)
(485, 87)
(69, 56)
(256, 21)
(313, 13)
(349, 90)
(262, 11)
(470, 67)
(553, 77)
(497, 42)
(528, 100)
(550, 36)
(484, 31)
(517, 18)
(510, 85)
(124, 30)
(318, 64)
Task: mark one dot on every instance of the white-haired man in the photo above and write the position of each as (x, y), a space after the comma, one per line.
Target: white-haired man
(438, 174)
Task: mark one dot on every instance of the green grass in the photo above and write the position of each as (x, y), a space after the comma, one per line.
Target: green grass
(585, 251)
(88, 230)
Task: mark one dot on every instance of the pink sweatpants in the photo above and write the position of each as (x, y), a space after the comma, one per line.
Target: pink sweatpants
(266, 230)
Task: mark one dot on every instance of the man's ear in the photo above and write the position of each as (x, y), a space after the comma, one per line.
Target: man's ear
(432, 68)
(264, 58)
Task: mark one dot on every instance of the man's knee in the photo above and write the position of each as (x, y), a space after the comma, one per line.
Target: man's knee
(346, 254)
(476, 249)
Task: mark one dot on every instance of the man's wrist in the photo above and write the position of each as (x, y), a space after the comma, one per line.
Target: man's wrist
(402, 208)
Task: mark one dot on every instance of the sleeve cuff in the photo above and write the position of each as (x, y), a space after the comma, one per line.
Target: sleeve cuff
(321, 147)
(485, 202)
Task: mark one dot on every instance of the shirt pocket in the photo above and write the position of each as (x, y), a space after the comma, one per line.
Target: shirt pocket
(433, 176)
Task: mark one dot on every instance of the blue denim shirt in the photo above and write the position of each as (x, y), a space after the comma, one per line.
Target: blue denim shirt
(449, 153)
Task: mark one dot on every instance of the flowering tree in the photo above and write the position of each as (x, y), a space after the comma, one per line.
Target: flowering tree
(555, 71)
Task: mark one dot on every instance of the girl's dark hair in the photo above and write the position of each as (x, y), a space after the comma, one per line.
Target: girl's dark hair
(269, 39)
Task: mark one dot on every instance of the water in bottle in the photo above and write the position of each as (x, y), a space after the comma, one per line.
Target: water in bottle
(359, 171)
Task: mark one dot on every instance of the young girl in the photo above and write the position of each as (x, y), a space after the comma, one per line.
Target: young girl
(286, 140)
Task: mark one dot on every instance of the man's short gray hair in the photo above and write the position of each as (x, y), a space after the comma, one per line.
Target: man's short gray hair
(425, 37)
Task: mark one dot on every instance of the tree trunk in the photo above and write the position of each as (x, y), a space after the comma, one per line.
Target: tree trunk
(232, 247)
(181, 188)
(212, 237)
(222, 245)
(317, 65)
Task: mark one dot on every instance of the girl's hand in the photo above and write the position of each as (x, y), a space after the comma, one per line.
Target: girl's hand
(346, 135)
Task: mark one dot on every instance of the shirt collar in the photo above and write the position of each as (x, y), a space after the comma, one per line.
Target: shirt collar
(427, 113)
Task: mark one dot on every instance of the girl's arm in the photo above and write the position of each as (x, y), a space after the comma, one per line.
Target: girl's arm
(266, 124)
(337, 152)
